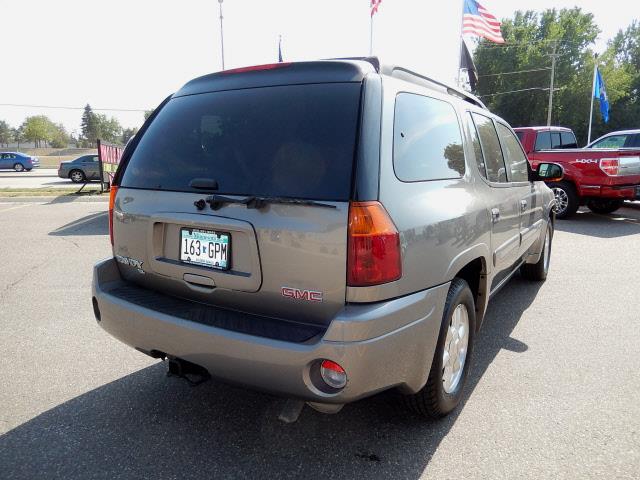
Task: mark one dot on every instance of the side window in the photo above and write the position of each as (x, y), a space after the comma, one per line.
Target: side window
(427, 143)
(555, 140)
(477, 149)
(513, 155)
(614, 141)
(494, 161)
(520, 136)
(94, 158)
(568, 140)
(635, 141)
(543, 141)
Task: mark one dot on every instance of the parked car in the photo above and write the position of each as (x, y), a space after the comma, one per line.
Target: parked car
(621, 139)
(602, 179)
(17, 161)
(547, 138)
(81, 169)
(350, 247)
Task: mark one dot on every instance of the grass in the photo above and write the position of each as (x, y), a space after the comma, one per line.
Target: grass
(53, 161)
(49, 192)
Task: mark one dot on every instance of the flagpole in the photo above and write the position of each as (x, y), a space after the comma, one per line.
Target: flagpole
(460, 45)
(371, 36)
(593, 93)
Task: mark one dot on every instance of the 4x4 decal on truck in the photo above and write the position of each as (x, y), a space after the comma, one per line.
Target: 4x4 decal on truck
(586, 160)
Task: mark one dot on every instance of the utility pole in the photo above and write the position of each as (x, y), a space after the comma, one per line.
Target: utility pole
(221, 34)
(554, 55)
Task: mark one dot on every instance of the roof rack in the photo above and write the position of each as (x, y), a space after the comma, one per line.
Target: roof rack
(413, 77)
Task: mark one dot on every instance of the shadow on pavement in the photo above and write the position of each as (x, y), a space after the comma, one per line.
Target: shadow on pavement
(145, 425)
(623, 222)
(94, 224)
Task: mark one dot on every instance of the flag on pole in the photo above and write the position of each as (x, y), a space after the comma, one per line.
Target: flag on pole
(466, 63)
(600, 92)
(374, 6)
(280, 49)
(476, 20)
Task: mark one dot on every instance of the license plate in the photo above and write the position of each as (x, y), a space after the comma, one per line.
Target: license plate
(205, 248)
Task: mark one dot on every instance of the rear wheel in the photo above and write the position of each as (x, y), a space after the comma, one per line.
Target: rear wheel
(604, 206)
(77, 176)
(18, 167)
(450, 366)
(538, 271)
(566, 199)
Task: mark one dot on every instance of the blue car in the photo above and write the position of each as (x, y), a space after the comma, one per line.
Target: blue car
(18, 161)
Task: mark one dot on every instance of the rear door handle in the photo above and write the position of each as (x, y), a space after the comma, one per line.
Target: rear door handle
(495, 215)
(523, 205)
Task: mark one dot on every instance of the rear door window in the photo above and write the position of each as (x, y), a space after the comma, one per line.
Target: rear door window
(514, 156)
(555, 140)
(291, 141)
(568, 140)
(614, 141)
(427, 142)
(633, 141)
(494, 161)
(477, 149)
(543, 141)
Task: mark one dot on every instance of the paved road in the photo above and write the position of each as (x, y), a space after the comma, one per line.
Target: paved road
(554, 393)
(37, 178)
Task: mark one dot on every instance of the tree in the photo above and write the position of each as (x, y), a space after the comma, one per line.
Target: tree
(59, 138)
(89, 126)
(127, 134)
(6, 134)
(38, 129)
(148, 113)
(18, 135)
(530, 40)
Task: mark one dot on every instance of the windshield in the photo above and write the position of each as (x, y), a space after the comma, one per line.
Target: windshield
(289, 141)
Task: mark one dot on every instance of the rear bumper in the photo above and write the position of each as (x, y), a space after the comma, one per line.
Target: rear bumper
(616, 192)
(381, 345)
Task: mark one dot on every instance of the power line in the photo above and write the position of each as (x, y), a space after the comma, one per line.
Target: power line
(515, 71)
(515, 91)
(72, 108)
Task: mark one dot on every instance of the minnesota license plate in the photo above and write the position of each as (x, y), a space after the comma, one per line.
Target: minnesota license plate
(205, 247)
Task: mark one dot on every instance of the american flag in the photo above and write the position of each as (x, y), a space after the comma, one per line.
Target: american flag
(374, 6)
(476, 20)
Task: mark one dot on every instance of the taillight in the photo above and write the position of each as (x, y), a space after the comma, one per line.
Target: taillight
(112, 200)
(610, 166)
(373, 246)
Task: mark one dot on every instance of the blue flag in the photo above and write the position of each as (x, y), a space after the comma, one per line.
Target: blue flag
(600, 92)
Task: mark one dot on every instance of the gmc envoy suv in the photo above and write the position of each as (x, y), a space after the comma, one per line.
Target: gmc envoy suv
(321, 230)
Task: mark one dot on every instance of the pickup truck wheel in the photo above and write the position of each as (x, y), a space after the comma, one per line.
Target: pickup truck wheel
(450, 366)
(604, 206)
(77, 176)
(537, 272)
(566, 199)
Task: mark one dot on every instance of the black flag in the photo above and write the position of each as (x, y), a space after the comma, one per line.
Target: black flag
(280, 49)
(466, 62)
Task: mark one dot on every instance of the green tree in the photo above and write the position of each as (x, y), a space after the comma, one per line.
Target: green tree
(38, 129)
(530, 40)
(109, 129)
(127, 134)
(59, 138)
(6, 134)
(18, 135)
(89, 126)
(148, 113)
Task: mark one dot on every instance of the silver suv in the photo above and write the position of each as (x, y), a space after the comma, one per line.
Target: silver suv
(322, 230)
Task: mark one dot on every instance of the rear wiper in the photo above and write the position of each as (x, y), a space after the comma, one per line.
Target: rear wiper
(204, 184)
(218, 201)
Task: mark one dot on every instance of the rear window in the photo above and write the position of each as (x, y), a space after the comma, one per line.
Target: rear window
(543, 141)
(290, 141)
(568, 140)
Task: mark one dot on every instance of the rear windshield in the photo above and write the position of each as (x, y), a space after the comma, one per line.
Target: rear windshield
(290, 141)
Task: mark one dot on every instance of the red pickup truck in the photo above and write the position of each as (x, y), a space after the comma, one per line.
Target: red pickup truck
(601, 179)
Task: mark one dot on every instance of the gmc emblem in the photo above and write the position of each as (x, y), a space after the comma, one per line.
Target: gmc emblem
(297, 294)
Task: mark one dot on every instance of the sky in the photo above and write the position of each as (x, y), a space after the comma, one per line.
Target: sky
(131, 54)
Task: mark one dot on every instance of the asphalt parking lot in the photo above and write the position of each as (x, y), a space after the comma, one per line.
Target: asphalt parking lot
(554, 390)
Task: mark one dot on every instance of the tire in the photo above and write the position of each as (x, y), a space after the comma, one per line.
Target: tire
(18, 167)
(604, 206)
(537, 272)
(77, 176)
(437, 398)
(567, 201)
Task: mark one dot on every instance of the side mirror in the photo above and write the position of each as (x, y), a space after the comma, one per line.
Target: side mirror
(548, 172)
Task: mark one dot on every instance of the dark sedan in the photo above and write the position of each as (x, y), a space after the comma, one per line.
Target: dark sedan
(80, 170)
